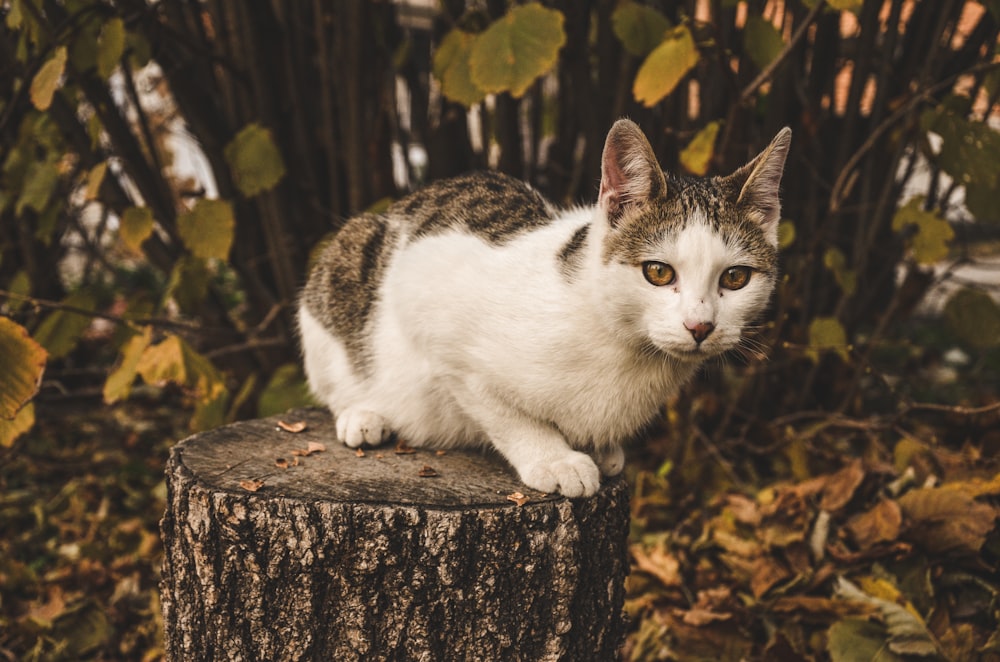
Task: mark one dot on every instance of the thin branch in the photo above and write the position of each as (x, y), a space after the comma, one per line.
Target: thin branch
(840, 187)
(765, 75)
(121, 321)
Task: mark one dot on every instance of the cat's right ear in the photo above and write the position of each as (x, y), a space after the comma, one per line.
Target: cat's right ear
(630, 174)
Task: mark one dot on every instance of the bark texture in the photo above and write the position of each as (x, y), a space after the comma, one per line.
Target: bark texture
(345, 557)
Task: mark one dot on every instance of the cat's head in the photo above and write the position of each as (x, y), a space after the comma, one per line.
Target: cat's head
(692, 261)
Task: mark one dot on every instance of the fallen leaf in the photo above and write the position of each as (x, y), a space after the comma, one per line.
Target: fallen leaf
(297, 426)
(281, 463)
(699, 616)
(403, 449)
(427, 472)
(360, 452)
(947, 518)
(251, 484)
(517, 498)
(767, 572)
(315, 447)
(659, 563)
(841, 486)
(880, 523)
(440, 452)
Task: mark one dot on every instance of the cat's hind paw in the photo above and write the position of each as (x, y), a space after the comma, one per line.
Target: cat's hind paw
(611, 460)
(360, 426)
(574, 475)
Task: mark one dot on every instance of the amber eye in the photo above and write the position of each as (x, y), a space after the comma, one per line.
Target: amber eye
(658, 273)
(735, 278)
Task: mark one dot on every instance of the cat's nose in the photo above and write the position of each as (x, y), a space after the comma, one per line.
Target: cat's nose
(700, 330)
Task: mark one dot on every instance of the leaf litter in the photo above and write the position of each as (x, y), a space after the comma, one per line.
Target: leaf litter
(890, 553)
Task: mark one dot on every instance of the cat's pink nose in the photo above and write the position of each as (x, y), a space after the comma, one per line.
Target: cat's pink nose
(700, 331)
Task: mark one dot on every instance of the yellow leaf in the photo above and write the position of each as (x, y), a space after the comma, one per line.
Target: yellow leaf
(119, 383)
(24, 362)
(665, 67)
(173, 361)
(46, 81)
(975, 317)
(134, 227)
(697, 156)
(254, 160)
(786, 234)
(207, 230)
(516, 49)
(931, 242)
(95, 177)
(22, 422)
(827, 334)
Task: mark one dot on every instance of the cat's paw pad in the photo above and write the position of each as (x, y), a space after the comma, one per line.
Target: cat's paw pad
(611, 460)
(574, 475)
(360, 426)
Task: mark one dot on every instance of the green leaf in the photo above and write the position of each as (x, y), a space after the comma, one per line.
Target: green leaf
(254, 160)
(639, 27)
(970, 153)
(24, 362)
(931, 242)
(118, 385)
(110, 47)
(762, 41)
(46, 81)
(516, 49)
(39, 184)
(451, 67)
(786, 234)
(974, 317)
(188, 284)
(134, 227)
(697, 156)
(207, 230)
(835, 261)
(60, 332)
(846, 5)
(827, 334)
(286, 390)
(665, 66)
(856, 640)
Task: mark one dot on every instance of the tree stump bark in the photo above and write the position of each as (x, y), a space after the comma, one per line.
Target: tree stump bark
(276, 553)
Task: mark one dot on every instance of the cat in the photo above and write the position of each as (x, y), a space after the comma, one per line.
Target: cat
(474, 312)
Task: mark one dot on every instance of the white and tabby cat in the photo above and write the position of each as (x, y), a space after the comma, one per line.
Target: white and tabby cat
(473, 312)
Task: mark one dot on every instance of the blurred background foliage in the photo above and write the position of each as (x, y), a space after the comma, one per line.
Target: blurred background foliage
(166, 168)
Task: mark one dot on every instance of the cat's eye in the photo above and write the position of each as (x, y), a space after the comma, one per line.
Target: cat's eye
(735, 278)
(658, 273)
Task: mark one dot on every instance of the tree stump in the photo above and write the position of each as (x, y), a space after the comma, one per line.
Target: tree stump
(273, 552)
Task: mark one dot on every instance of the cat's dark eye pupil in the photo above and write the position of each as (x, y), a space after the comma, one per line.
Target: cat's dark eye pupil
(735, 278)
(658, 273)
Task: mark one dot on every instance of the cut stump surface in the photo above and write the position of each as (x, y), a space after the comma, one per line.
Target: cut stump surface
(287, 545)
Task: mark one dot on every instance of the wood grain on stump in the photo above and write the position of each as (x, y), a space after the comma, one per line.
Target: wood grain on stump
(386, 556)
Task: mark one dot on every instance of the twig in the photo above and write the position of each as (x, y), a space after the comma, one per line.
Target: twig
(840, 187)
(122, 321)
(769, 70)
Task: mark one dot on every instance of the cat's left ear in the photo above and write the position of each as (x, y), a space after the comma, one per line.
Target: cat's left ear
(761, 180)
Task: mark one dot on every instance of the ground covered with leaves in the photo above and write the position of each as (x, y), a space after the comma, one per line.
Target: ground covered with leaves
(871, 539)
(80, 501)
(816, 537)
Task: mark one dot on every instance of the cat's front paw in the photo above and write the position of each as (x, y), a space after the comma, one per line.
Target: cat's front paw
(611, 460)
(360, 426)
(573, 475)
